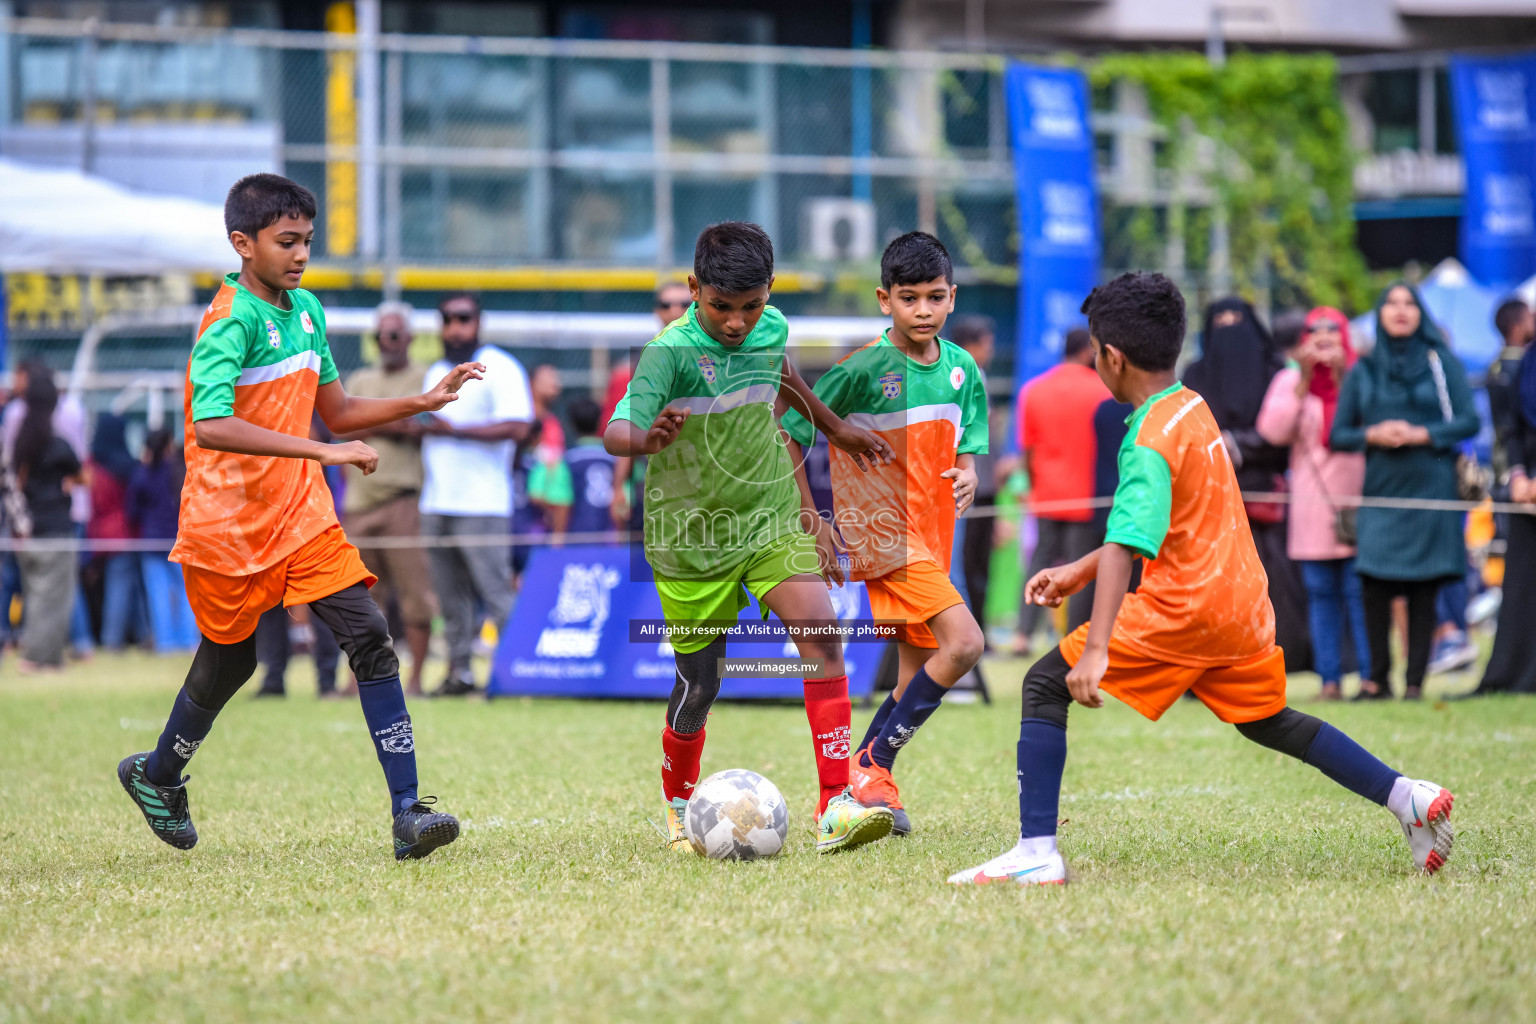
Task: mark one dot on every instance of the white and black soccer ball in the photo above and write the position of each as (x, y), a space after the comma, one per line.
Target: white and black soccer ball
(736, 815)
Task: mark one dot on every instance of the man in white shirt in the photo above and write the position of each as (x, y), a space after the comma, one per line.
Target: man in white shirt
(467, 488)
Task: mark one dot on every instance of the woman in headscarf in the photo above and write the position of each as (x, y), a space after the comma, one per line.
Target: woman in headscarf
(110, 467)
(1512, 667)
(1238, 359)
(1298, 412)
(1408, 407)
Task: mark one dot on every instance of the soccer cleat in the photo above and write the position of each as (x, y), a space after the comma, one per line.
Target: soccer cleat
(1018, 866)
(872, 786)
(677, 836)
(164, 807)
(419, 829)
(846, 823)
(1427, 824)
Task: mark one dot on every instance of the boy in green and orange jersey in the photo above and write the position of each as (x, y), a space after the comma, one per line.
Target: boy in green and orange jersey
(926, 397)
(1200, 620)
(258, 524)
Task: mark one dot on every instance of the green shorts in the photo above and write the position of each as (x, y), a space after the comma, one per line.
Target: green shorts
(710, 607)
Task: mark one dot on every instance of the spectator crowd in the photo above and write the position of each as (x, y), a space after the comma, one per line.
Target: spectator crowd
(1312, 418)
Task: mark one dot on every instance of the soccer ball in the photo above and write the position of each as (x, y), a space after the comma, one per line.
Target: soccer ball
(736, 815)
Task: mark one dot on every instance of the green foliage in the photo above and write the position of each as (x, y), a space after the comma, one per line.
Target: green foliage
(1282, 172)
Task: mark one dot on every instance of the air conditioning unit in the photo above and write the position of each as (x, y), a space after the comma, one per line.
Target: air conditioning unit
(839, 230)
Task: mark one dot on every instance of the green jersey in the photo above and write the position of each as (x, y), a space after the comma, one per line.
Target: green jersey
(929, 413)
(724, 489)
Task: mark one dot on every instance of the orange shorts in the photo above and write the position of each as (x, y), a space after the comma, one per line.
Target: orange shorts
(912, 595)
(227, 607)
(1245, 692)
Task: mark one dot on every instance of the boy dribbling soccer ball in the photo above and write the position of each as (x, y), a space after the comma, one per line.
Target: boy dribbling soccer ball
(1201, 619)
(722, 514)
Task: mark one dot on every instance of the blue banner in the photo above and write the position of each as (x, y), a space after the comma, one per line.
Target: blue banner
(583, 626)
(1053, 165)
(1495, 103)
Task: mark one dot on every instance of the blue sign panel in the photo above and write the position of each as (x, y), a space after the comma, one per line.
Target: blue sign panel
(1495, 104)
(575, 632)
(1053, 163)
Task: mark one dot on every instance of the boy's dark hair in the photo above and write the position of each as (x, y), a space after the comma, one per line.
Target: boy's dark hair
(584, 413)
(1142, 315)
(1509, 315)
(442, 303)
(969, 329)
(1288, 329)
(258, 201)
(1077, 340)
(913, 258)
(733, 257)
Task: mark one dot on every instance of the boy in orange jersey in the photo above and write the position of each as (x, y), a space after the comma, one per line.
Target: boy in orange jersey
(925, 396)
(258, 524)
(1200, 620)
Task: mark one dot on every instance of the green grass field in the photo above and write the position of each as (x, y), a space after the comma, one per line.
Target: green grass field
(1213, 880)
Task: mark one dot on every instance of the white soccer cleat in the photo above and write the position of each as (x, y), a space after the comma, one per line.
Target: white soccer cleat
(1023, 867)
(1427, 824)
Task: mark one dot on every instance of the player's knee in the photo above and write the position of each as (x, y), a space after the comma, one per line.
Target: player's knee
(1045, 689)
(965, 650)
(696, 687)
(373, 654)
(218, 671)
(1289, 731)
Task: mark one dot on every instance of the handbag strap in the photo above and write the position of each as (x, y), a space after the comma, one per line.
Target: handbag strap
(1443, 393)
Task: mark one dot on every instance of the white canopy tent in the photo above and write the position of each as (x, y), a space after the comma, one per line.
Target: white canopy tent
(65, 222)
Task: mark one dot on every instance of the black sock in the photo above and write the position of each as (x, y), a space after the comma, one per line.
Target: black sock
(390, 726)
(185, 730)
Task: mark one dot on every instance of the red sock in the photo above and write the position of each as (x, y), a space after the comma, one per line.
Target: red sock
(831, 717)
(680, 763)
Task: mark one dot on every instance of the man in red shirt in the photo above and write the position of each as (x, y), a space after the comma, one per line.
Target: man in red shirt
(1056, 436)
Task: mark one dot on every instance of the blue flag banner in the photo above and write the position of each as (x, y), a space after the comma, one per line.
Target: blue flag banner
(1053, 166)
(584, 627)
(1495, 100)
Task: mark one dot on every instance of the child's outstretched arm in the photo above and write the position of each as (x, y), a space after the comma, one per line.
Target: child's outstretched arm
(346, 414)
(242, 437)
(627, 440)
(861, 444)
(810, 517)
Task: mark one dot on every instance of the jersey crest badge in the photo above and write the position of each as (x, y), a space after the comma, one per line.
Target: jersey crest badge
(306, 322)
(707, 368)
(957, 377)
(890, 385)
(273, 338)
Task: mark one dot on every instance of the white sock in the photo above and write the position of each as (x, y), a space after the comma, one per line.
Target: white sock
(1036, 847)
(1397, 801)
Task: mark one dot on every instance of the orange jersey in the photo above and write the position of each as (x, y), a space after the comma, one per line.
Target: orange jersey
(1204, 597)
(897, 515)
(241, 514)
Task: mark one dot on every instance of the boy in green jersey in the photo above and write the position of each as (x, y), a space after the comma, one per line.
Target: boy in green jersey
(722, 513)
(927, 398)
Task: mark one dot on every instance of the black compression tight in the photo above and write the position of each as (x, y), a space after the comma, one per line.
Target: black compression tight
(219, 670)
(1046, 696)
(697, 686)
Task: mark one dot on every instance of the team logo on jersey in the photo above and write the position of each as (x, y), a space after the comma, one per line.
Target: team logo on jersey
(957, 377)
(707, 368)
(306, 322)
(890, 385)
(273, 338)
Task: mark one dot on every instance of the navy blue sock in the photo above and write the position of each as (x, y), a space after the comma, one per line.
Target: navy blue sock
(1042, 757)
(920, 700)
(390, 726)
(1350, 765)
(878, 722)
(185, 730)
